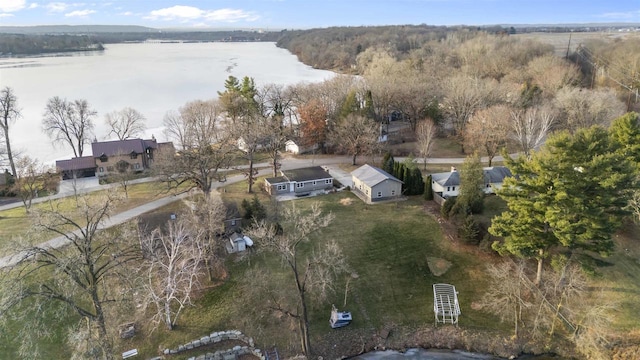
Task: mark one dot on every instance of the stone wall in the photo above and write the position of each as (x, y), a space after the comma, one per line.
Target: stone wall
(217, 337)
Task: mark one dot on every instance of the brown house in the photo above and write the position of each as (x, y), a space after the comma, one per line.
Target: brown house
(120, 155)
(77, 167)
(111, 157)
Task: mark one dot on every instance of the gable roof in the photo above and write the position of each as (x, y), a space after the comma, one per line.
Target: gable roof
(372, 176)
(306, 174)
(451, 178)
(496, 174)
(79, 163)
(120, 147)
(492, 175)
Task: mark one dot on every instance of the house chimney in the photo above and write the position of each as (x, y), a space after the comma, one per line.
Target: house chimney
(453, 169)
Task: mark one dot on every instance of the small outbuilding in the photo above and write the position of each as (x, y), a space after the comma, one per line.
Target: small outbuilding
(239, 243)
(372, 184)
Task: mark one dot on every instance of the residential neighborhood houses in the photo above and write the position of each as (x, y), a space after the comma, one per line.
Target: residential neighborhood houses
(447, 184)
(110, 157)
(372, 184)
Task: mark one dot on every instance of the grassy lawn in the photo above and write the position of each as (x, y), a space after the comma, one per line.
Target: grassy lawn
(15, 223)
(387, 246)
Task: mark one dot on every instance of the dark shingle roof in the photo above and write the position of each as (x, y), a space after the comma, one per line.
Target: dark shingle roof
(276, 180)
(79, 163)
(120, 147)
(451, 178)
(492, 175)
(306, 174)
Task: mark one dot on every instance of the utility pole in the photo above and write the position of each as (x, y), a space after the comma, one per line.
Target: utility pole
(568, 47)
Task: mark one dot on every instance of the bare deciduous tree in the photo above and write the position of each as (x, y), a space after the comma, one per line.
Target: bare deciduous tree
(126, 123)
(69, 123)
(208, 215)
(505, 296)
(583, 108)
(172, 267)
(9, 113)
(204, 144)
(464, 96)
(311, 276)
(356, 135)
(426, 134)
(488, 130)
(81, 276)
(28, 180)
(530, 128)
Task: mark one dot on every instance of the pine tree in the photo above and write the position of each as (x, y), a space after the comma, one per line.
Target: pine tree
(418, 182)
(570, 196)
(428, 190)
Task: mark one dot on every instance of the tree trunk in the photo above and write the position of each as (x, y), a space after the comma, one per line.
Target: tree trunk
(539, 271)
(304, 327)
(167, 315)
(250, 172)
(102, 326)
(275, 164)
(353, 161)
(9, 153)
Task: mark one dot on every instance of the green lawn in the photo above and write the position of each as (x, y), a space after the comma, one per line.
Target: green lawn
(387, 246)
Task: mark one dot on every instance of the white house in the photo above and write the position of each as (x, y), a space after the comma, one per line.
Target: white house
(295, 147)
(372, 184)
(447, 184)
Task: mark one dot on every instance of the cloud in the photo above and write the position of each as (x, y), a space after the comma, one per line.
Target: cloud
(7, 6)
(622, 15)
(80, 13)
(4, 15)
(126, 13)
(186, 13)
(33, 6)
(57, 6)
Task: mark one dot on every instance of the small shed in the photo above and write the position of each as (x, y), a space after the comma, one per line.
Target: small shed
(445, 304)
(239, 242)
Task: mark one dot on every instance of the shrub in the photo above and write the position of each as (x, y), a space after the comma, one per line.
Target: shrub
(447, 207)
(469, 230)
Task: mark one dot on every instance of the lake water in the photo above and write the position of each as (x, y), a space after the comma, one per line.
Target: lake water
(152, 78)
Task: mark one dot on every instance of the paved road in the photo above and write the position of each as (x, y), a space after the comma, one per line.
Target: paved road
(287, 164)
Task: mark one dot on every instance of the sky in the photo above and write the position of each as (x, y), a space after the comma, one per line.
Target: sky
(300, 14)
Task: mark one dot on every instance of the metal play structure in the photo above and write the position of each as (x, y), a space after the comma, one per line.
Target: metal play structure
(445, 304)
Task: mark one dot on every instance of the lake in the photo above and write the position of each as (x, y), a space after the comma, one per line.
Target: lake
(152, 78)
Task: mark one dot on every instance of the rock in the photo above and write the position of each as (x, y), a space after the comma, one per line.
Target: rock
(189, 346)
(237, 347)
(196, 343)
(205, 340)
(166, 351)
(180, 348)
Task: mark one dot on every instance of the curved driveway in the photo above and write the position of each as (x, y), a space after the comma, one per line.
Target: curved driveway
(287, 164)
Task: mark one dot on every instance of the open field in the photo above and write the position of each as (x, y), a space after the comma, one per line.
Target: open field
(560, 41)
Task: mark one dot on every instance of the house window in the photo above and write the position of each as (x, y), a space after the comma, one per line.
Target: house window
(328, 181)
(453, 189)
(379, 193)
(448, 188)
(300, 185)
(488, 185)
(393, 192)
(366, 191)
(109, 168)
(101, 169)
(233, 222)
(103, 158)
(282, 187)
(136, 166)
(314, 182)
(134, 155)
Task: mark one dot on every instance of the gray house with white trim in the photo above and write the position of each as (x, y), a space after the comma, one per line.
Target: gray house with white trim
(372, 184)
(299, 181)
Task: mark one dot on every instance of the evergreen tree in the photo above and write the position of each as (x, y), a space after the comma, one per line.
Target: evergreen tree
(350, 105)
(428, 190)
(418, 182)
(368, 109)
(407, 187)
(468, 230)
(568, 196)
(625, 133)
(258, 210)
(471, 194)
(388, 163)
